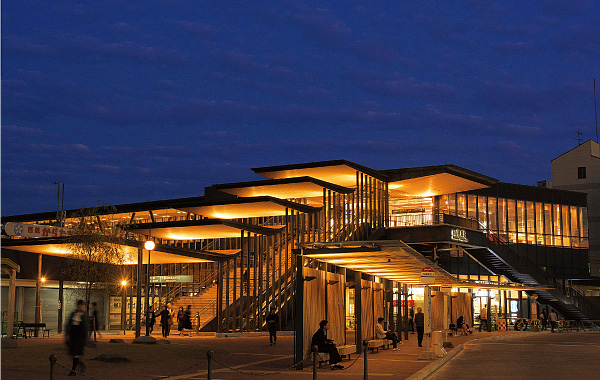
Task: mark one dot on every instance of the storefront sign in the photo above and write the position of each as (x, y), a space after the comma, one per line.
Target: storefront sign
(35, 230)
(165, 279)
(446, 286)
(427, 276)
(458, 234)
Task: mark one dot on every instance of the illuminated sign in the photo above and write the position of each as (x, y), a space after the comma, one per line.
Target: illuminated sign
(35, 230)
(163, 279)
(460, 235)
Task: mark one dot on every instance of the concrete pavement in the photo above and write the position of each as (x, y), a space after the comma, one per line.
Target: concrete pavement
(249, 357)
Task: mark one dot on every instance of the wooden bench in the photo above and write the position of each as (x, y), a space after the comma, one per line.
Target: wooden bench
(345, 350)
(379, 343)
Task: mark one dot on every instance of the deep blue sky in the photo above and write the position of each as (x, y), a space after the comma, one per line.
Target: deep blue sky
(128, 101)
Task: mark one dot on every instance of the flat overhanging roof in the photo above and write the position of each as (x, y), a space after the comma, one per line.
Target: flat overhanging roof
(285, 188)
(162, 254)
(198, 229)
(435, 180)
(339, 172)
(393, 260)
(248, 208)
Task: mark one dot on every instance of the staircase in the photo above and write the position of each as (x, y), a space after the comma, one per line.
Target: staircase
(503, 260)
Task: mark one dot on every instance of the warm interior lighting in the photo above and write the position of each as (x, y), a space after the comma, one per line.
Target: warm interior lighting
(43, 279)
(123, 282)
(149, 245)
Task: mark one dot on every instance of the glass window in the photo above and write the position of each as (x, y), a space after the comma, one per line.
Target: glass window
(493, 214)
(548, 223)
(502, 216)
(462, 207)
(472, 206)
(511, 221)
(581, 172)
(539, 223)
(566, 230)
(482, 211)
(557, 225)
(530, 225)
(444, 204)
(521, 221)
(452, 204)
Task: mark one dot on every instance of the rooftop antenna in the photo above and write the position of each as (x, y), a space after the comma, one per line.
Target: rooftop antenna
(60, 196)
(578, 137)
(595, 110)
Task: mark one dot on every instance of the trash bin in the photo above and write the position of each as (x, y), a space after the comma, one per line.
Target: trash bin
(438, 344)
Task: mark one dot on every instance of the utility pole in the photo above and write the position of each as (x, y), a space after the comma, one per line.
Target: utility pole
(60, 196)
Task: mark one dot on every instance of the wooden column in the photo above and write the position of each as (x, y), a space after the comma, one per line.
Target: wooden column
(220, 297)
(299, 314)
(358, 309)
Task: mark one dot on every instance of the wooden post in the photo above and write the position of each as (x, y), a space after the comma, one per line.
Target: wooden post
(358, 309)
(138, 306)
(299, 311)
(38, 297)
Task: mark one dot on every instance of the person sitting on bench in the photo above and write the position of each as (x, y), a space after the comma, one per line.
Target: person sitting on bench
(461, 325)
(380, 333)
(320, 340)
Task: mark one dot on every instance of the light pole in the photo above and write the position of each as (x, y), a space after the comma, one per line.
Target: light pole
(149, 245)
(123, 305)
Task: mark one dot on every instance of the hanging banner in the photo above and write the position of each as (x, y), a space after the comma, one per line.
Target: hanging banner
(35, 230)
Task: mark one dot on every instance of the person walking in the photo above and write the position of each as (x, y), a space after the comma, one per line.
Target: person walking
(320, 340)
(76, 335)
(553, 318)
(544, 320)
(188, 319)
(411, 320)
(151, 319)
(272, 323)
(180, 319)
(164, 321)
(483, 318)
(420, 324)
(380, 333)
(95, 321)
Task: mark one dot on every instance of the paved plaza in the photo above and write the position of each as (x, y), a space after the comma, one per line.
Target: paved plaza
(252, 356)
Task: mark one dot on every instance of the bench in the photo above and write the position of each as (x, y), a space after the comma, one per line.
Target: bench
(379, 343)
(345, 350)
(31, 328)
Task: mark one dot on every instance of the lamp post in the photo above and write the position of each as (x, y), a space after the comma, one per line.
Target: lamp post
(123, 305)
(149, 245)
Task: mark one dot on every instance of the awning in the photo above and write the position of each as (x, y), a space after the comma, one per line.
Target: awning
(161, 254)
(284, 188)
(434, 180)
(393, 260)
(248, 208)
(199, 229)
(339, 172)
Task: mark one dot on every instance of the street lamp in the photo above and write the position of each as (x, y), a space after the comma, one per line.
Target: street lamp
(149, 245)
(123, 305)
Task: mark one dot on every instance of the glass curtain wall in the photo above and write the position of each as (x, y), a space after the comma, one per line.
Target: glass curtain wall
(525, 222)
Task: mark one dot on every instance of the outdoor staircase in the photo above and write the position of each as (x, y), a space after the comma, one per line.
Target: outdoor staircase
(500, 258)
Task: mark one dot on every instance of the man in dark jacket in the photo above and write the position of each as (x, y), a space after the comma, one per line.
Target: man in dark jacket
(76, 335)
(326, 345)
(272, 322)
(420, 324)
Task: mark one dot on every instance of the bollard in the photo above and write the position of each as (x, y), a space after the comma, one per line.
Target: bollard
(314, 350)
(366, 370)
(52, 363)
(209, 356)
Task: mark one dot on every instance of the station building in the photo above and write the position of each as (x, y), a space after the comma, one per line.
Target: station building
(325, 240)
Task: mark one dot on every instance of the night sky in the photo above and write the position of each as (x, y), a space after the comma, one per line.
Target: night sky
(130, 101)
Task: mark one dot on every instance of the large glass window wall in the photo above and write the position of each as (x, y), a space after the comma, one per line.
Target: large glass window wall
(526, 222)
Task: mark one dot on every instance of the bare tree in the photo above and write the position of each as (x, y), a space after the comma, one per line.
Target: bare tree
(96, 249)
